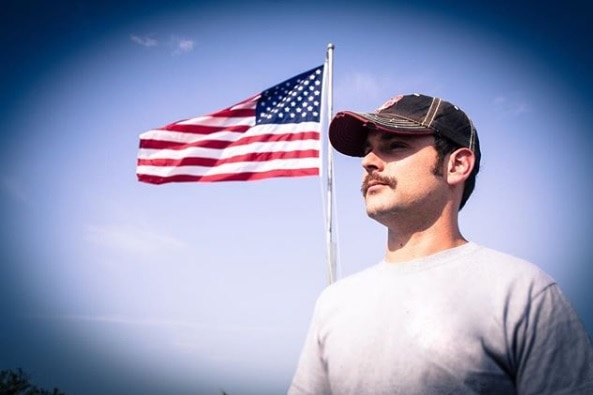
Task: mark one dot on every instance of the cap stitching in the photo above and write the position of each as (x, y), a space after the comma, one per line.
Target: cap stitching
(472, 135)
(432, 111)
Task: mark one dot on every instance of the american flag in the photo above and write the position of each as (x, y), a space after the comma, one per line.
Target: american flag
(275, 133)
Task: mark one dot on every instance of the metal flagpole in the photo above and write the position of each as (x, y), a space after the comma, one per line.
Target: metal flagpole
(331, 256)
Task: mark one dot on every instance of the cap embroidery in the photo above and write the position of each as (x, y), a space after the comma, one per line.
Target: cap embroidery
(389, 103)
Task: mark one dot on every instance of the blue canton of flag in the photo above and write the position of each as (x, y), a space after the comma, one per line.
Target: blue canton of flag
(292, 101)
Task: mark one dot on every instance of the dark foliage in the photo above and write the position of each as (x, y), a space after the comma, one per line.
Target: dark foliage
(16, 382)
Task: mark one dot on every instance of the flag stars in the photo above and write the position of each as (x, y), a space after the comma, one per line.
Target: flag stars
(292, 101)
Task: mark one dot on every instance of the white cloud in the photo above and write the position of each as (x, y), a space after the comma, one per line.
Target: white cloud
(125, 320)
(182, 45)
(366, 91)
(513, 104)
(178, 45)
(145, 41)
(360, 84)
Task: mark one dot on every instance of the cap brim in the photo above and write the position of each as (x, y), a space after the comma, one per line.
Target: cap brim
(348, 130)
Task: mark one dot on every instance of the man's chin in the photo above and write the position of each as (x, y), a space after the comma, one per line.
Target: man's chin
(374, 211)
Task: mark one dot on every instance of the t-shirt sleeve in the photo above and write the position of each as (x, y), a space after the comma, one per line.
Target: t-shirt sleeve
(311, 374)
(551, 348)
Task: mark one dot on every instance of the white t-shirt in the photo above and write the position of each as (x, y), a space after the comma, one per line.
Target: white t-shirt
(465, 320)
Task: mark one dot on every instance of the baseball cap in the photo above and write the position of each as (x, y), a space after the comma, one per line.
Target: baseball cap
(412, 114)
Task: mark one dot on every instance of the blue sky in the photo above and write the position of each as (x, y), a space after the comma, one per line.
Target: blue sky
(113, 286)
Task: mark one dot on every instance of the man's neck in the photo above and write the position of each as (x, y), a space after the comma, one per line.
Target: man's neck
(407, 244)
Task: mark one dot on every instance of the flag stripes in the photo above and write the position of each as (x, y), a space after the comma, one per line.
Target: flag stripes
(272, 134)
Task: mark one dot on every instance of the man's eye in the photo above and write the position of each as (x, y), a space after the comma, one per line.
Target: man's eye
(396, 145)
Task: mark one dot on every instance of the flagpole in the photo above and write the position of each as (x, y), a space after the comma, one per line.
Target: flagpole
(331, 258)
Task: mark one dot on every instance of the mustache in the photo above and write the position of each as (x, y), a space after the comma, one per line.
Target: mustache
(373, 177)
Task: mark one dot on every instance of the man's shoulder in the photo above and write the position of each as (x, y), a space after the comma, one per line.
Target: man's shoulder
(472, 261)
(506, 270)
(503, 261)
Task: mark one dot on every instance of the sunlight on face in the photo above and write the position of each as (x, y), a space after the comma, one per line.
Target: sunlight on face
(399, 174)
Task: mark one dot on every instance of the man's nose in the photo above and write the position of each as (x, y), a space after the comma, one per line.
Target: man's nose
(372, 162)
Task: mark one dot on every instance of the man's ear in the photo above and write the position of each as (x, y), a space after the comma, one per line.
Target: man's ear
(460, 165)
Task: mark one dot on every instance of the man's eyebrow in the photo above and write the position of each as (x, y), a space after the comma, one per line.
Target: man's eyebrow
(387, 137)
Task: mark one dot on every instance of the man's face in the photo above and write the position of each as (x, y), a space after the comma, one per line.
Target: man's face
(400, 177)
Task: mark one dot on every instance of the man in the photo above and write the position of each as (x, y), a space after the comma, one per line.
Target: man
(440, 314)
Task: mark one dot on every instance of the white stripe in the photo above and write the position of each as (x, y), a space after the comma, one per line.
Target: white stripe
(180, 137)
(218, 121)
(258, 147)
(239, 167)
(171, 135)
(209, 120)
(275, 128)
(250, 103)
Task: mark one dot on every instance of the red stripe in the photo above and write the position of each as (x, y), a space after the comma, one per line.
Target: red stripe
(174, 145)
(221, 144)
(277, 137)
(212, 162)
(230, 177)
(238, 113)
(202, 129)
